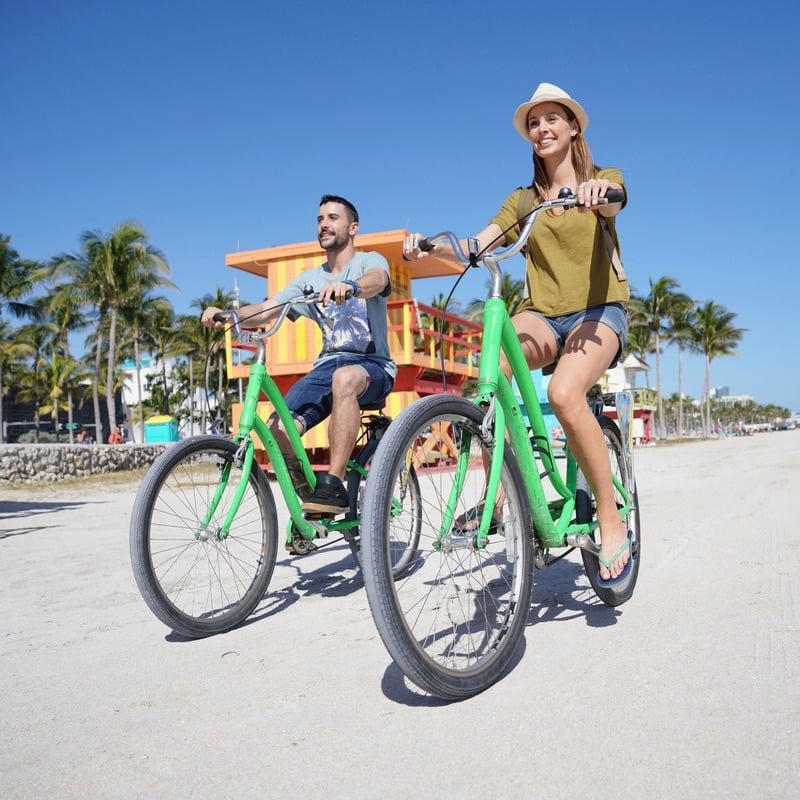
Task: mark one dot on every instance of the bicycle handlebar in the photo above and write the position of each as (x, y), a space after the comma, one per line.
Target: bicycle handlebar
(567, 201)
(491, 260)
(309, 298)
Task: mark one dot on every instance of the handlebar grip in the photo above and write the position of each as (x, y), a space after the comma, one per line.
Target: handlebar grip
(220, 316)
(424, 245)
(615, 195)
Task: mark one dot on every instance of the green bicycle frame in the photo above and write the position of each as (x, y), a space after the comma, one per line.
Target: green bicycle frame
(260, 382)
(552, 520)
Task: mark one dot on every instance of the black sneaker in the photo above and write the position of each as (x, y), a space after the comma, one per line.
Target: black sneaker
(329, 496)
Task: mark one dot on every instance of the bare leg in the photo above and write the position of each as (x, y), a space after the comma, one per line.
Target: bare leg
(348, 383)
(280, 435)
(292, 462)
(587, 353)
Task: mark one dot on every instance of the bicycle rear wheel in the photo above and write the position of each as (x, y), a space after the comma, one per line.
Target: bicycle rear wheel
(406, 519)
(455, 617)
(194, 582)
(585, 512)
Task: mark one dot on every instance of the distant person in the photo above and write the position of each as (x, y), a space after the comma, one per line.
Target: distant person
(115, 437)
(353, 368)
(82, 437)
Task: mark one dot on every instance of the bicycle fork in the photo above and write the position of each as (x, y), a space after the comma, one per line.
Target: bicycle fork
(242, 458)
(477, 539)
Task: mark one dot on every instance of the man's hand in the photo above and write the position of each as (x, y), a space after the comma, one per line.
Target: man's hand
(207, 317)
(335, 293)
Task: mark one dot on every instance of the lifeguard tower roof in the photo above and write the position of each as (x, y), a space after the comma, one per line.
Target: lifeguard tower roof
(388, 243)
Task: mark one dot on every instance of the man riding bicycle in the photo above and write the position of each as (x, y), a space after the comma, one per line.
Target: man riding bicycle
(354, 367)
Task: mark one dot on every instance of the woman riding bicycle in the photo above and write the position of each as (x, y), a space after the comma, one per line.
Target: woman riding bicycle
(574, 315)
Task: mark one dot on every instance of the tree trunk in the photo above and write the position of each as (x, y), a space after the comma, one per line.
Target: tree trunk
(679, 425)
(191, 397)
(112, 357)
(69, 416)
(220, 388)
(658, 389)
(138, 357)
(707, 431)
(2, 429)
(98, 358)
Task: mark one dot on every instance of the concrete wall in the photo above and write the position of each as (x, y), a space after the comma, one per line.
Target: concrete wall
(48, 463)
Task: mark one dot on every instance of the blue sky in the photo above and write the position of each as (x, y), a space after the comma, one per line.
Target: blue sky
(218, 126)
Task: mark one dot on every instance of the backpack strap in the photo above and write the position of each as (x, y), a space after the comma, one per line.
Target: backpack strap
(525, 204)
(616, 261)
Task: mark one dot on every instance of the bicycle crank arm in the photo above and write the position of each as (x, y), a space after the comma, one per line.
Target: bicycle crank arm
(583, 541)
(322, 530)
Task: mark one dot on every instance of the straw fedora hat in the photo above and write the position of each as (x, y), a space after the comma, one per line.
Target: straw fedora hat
(548, 93)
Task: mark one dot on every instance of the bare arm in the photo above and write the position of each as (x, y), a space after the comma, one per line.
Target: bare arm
(253, 315)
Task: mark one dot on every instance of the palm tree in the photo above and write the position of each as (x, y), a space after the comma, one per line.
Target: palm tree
(716, 336)
(15, 348)
(656, 308)
(17, 280)
(143, 319)
(640, 338)
(32, 383)
(114, 271)
(680, 331)
(213, 347)
(190, 335)
(62, 374)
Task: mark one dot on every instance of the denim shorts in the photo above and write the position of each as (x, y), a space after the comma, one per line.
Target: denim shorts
(310, 399)
(614, 315)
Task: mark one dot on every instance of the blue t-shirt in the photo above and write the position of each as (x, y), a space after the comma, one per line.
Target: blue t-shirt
(359, 326)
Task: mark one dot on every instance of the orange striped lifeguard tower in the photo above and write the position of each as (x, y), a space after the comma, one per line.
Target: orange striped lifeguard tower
(423, 355)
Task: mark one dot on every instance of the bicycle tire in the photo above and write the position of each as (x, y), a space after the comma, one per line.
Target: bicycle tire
(406, 514)
(201, 586)
(585, 512)
(455, 618)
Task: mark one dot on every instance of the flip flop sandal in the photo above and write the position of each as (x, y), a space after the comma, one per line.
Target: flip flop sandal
(611, 583)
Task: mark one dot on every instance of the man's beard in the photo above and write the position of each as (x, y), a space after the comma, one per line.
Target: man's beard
(337, 245)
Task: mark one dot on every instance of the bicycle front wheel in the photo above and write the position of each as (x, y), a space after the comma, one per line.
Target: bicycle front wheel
(195, 582)
(454, 619)
(585, 512)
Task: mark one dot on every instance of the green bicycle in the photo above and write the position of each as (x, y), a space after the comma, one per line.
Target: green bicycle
(453, 621)
(204, 526)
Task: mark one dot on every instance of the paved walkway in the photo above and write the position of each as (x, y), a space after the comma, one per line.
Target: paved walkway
(689, 690)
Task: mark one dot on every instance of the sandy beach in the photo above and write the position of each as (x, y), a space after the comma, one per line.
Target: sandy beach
(692, 689)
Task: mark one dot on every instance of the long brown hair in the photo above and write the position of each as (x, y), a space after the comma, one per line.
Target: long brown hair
(585, 168)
